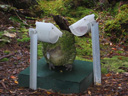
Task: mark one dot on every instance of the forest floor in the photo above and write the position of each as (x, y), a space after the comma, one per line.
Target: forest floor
(17, 59)
(113, 84)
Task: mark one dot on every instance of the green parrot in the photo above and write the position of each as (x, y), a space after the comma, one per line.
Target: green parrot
(62, 53)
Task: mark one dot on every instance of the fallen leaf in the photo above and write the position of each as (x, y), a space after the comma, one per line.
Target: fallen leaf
(11, 27)
(35, 91)
(12, 92)
(4, 40)
(108, 74)
(110, 44)
(113, 48)
(16, 81)
(119, 87)
(1, 90)
(119, 84)
(106, 81)
(98, 84)
(2, 83)
(89, 92)
(12, 35)
(49, 93)
(18, 57)
(29, 60)
(13, 77)
(120, 58)
(61, 71)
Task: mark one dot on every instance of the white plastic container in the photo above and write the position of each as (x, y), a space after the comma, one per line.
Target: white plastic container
(82, 26)
(47, 32)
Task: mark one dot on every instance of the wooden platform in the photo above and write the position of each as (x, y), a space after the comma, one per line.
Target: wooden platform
(60, 80)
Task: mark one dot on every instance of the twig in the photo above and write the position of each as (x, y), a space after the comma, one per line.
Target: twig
(2, 83)
(20, 18)
(5, 56)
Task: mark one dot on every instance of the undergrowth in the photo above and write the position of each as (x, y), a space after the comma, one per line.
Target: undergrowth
(116, 29)
(74, 10)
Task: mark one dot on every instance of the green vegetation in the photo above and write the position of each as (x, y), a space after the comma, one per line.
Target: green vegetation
(1, 34)
(6, 51)
(51, 7)
(3, 39)
(83, 46)
(70, 8)
(25, 39)
(112, 18)
(23, 32)
(117, 28)
(117, 64)
(80, 12)
(40, 50)
(114, 64)
(4, 60)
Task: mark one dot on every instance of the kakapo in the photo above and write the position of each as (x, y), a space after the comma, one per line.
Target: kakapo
(63, 52)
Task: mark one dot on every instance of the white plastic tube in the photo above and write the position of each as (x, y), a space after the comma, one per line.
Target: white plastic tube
(33, 59)
(96, 53)
(47, 32)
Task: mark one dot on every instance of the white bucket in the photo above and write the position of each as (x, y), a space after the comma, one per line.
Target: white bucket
(47, 32)
(82, 26)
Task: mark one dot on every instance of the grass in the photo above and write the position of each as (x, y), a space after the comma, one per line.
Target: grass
(40, 50)
(117, 64)
(83, 46)
(113, 64)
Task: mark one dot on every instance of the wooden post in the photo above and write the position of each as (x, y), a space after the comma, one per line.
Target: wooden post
(33, 59)
(96, 53)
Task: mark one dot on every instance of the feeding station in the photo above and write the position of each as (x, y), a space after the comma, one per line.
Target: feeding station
(83, 74)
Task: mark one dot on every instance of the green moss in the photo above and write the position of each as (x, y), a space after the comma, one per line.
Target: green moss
(1, 33)
(71, 20)
(4, 60)
(117, 28)
(73, 4)
(40, 50)
(51, 7)
(80, 12)
(104, 70)
(23, 35)
(119, 52)
(83, 59)
(124, 7)
(114, 9)
(83, 46)
(113, 64)
(24, 39)
(6, 51)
